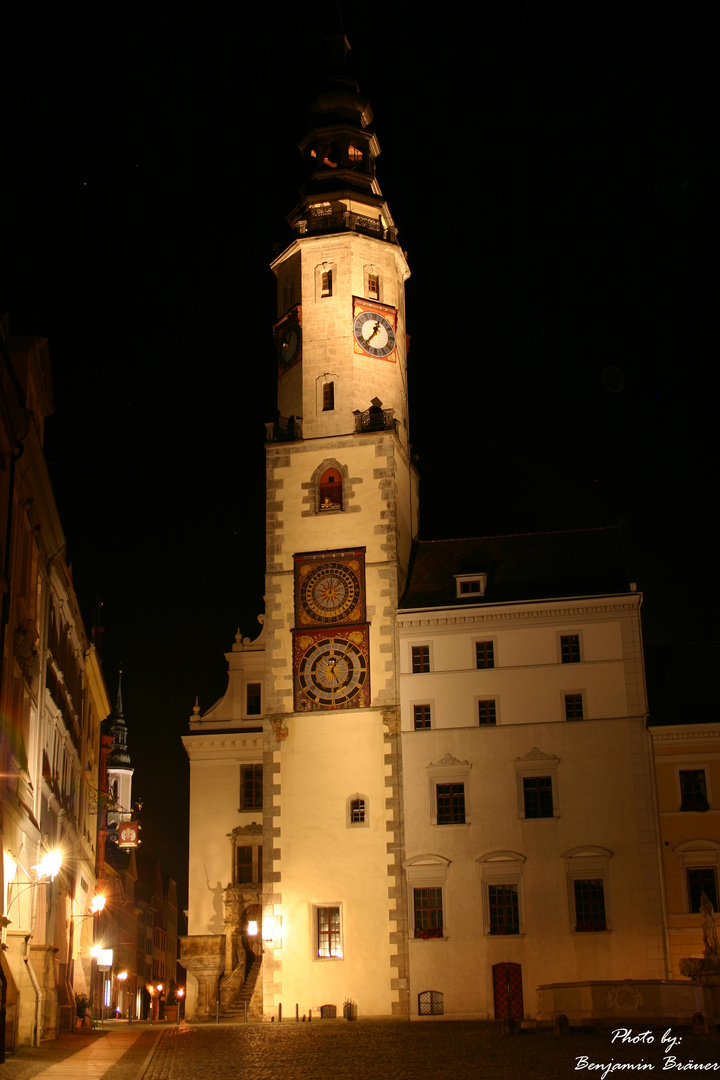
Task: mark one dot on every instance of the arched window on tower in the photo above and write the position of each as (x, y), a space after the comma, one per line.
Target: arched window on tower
(330, 490)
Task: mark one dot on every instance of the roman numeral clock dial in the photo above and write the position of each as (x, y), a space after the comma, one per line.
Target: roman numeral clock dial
(374, 329)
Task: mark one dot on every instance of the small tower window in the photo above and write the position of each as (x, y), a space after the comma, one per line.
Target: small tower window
(328, 396)
(355, 154)
(330, 490)
(326, 283)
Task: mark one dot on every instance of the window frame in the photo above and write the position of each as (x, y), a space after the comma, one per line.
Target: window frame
(588, 864)
(492, 642)
(574, 694)
(537, 764)
(697, 854)
(421, 670)
(357, 796)
(430, 707)
(467, 580)
(487, 701)
(565, 635)
(690, 808)
(426, 872)
(248, 684)
(317, 909)
(246, 807)
(501, 868)
(449, 771)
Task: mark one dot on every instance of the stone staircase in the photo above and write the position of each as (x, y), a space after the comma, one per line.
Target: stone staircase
(251, 993)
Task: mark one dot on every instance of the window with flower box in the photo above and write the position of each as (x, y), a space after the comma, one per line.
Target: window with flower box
(427, 878)
(428, 912)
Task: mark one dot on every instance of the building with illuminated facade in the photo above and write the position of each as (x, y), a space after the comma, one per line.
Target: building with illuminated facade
(52, 703)
(430, 783)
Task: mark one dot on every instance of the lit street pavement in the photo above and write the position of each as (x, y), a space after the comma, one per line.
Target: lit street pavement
(377, 1050)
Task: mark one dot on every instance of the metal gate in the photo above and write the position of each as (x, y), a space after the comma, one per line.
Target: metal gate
(507, 988)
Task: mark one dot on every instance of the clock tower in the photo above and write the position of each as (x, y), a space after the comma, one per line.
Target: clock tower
(341, 516)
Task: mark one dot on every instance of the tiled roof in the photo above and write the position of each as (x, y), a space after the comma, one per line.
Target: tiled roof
(528, 566)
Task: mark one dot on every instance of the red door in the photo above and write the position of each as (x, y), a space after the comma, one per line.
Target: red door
(507, 987)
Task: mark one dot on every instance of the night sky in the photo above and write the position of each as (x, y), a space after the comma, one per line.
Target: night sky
(552, 170)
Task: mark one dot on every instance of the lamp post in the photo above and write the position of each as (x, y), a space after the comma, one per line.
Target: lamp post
(179, 995)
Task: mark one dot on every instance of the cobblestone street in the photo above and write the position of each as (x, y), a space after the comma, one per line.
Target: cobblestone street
(395, 1051)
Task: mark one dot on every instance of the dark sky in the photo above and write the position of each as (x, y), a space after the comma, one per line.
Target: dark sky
(552, 170)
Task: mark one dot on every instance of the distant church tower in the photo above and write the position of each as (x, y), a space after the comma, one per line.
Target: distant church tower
(119, 768)
(342, 511)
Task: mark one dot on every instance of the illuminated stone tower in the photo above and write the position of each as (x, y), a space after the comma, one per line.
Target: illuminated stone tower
(341, 516)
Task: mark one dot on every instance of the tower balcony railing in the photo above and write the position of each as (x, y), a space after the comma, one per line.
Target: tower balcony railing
(319, 221)
(284, 429)
(374, 419)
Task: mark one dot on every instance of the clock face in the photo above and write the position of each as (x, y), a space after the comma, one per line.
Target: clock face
(289, 346)
(330, 592)
(332, 672)
(374, 334)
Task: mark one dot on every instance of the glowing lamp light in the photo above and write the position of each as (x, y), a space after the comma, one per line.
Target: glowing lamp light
(159, 988)
(252, 928)
(268, 928)
(98, 903)
(122, 976)
(48, 866)
(179, 992)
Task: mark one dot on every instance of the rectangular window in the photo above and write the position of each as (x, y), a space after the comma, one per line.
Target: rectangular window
(357, 811)
(373, 290)
(450, 804)
(251, 785)
(253, 698)
(504, 909)
(573, 707)
(570, 648)
(702, 879)
(485, 654)
(427, 904)
(328, 396)
(486, 711)
(538, 796)
(693, 791)
(589, 905)
(420, 658)
(422, 716)
(326, 283)
(244, 865)
(328, 932)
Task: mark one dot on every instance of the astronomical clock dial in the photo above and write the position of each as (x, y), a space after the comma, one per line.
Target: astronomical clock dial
(330, 592)
(329, 588)
(332, 671)
(374, 329)
(288, 341)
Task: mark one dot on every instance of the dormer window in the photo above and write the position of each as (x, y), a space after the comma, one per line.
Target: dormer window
(330, 490)
(355, 154)
(470, 586)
